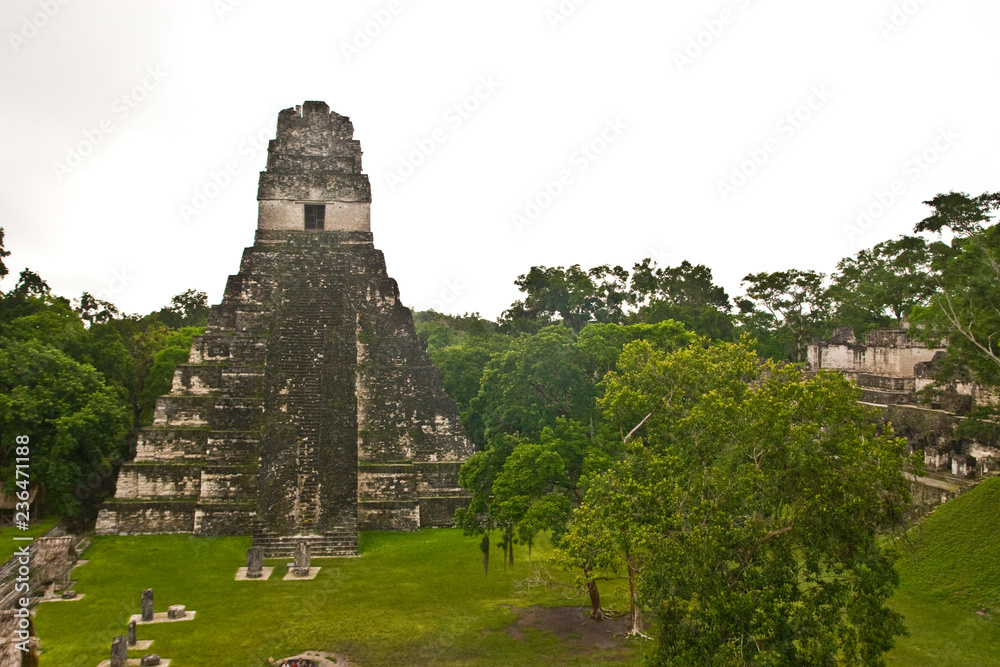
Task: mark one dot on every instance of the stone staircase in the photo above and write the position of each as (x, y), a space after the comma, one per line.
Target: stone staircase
(341, 541)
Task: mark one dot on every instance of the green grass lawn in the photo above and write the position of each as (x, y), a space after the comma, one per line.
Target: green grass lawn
(950, 569)
(410, 599)
(420, 599)
(8, 546)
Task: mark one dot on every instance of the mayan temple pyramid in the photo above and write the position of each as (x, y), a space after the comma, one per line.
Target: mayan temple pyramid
(309, 409)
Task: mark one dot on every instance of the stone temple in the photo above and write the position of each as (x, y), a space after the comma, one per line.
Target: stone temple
(309, 409)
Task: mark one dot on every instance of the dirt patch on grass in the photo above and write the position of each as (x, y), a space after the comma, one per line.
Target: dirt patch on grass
(572, 626)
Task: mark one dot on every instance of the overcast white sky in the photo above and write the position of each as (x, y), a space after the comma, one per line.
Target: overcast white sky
(115, 114)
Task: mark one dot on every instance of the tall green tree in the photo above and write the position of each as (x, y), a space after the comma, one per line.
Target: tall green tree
(73, 419)
(879, 286)
(3, 253)
(795, 302)
(460, 347)
(966, 271)
(187, 309)
(685, 293)
(572, 296)
(544, 431)
(747, 509)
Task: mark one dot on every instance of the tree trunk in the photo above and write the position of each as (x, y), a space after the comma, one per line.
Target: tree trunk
(596, 612)
(485, 546)
(634, 614)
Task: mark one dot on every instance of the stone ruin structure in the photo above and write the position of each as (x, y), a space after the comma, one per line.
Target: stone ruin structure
(309, 409)
(890, 369)
(18, 646)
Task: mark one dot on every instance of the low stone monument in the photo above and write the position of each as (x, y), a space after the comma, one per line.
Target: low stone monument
(119, 651)
(147, 605)
(131, 633)
(301, 566)
(176, 611)
(151, 659)
(68, 595)
(255, 562)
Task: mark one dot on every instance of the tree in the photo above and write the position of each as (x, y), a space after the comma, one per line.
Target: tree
(537, 402)
(795, 300)
(539, 487)
(747, 509)
(175, 350)
(3, 253)
(880, 286)
(460, 347)
(609, 531)
(966, 271)
(95, 311)
(541, 377)
(187, 309)
(571, 296)
(538, 380)
(684, 293)
(73, 419)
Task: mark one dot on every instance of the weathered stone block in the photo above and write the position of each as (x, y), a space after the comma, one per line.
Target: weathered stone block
(119, 651)
(147, 605)
(255, 562)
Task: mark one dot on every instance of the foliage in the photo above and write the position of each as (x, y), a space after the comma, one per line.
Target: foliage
(175, 349)
(537, 401)
(98, 367)
(73, 419)
(683, 293)
(747, 509)
(540, 378)
(95, 311)
(609, 295)
(3, 253)
(571, 296)
(460, 347)
(187, 309)
(880, 286)
(966, 307)
(794, 305)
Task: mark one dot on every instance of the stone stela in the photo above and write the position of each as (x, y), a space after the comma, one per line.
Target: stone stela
(147, 605)
(119, 651)
(255, 563)
(309, 408)
(301, 565)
